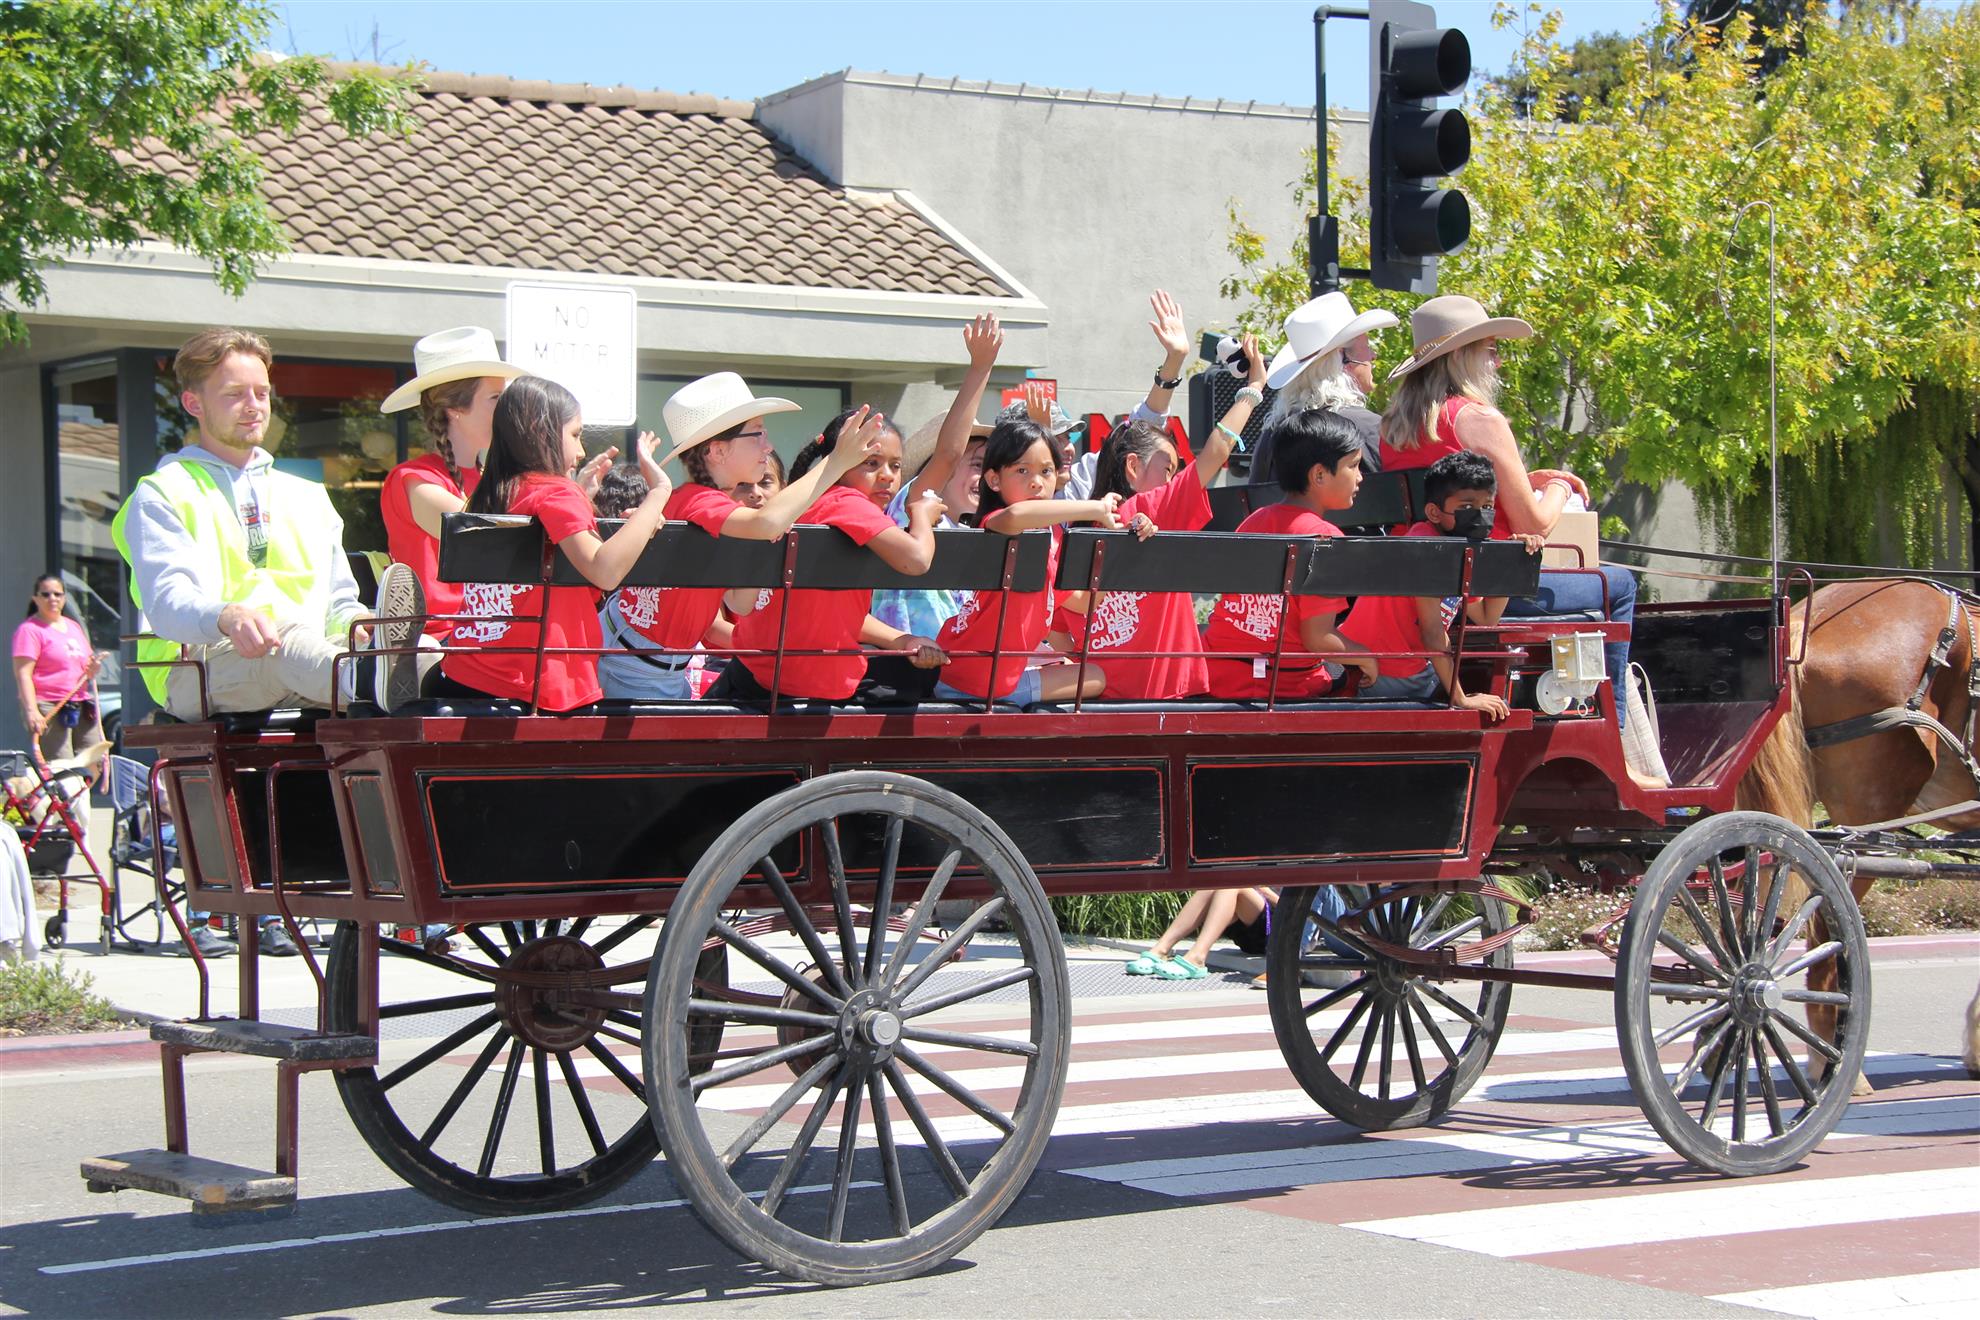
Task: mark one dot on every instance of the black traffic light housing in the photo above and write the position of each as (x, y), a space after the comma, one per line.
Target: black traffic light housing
(1412, 144)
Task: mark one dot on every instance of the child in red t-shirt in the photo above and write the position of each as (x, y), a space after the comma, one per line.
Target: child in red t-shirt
(1139, 463)
(1316, 456)
(839, 622)
(1458, 492)
(537, 446)
(1020, 473)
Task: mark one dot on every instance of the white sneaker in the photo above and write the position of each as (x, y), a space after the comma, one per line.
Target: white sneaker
(402, 609)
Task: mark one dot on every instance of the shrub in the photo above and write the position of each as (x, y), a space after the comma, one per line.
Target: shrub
(1118, 916)
(44, 998)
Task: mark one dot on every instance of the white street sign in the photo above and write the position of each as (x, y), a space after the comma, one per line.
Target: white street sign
(581, 336)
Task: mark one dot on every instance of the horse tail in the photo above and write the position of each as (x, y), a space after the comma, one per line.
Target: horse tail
(1779, 781)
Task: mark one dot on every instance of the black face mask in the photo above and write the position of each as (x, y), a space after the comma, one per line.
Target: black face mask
(1471, 524)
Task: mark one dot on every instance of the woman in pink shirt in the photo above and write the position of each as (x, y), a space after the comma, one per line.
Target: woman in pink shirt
(55, 673)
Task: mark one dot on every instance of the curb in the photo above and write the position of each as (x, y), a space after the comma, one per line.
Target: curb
(75, 1040)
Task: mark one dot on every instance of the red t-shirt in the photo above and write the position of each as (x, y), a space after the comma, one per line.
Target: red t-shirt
(1430, 448)
(1388, 623)
(819, 620)
(1151, 620)
(407, 542)
(677, 618)
(973, 627)
(569, 681)
(1251, 623)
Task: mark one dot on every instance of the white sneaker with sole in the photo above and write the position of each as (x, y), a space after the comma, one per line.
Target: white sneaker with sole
(402, 610)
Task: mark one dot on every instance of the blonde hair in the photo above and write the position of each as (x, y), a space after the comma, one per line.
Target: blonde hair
(1323, 383)
(1412, 413)
(199, 356)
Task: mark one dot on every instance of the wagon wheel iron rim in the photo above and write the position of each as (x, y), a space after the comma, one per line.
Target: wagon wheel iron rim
(938, 1125)
(512, 1104)
(1377, 1043)
(1716, 973)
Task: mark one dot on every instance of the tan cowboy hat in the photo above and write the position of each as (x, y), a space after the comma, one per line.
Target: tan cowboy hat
(466, 352)
(1327, 323)
(1446, 324)
(702, 409)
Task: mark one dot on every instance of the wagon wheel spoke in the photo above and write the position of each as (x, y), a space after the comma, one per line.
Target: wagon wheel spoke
(444, 1004)
(1700, 924)
(800, 1147)
(1775, 888)
(1454, 934)
(1409, 1043)
(1792, 929)
(777, 967)
(1335, 996)
(1821, 953)
(1679, 990)
(842, 1174)
(1736, 1066)
(1388, 1050)
(474, 1074)
(925, 908)
(1833, 997)
(1722, 899)
(616, 1066)
(761, 1016)
(1789, 1064)
(1768, 1096)
(971, 1041)
(1462, 1010)
(1814, 1042)
(961, 1094)
(1699, 1051)
(801, 925)
(581, 1101)
(1722, 1071)
(770, 1117)
(479, 938)
(512, 934)
(938, 1150)
(883, 897)
(1691, 955)
(835, 866)
(1698, 1021)
(984, 986)
(1341, 1032)
(444, 962)
(758, 1062)
(439, 1050)
(625, 932)
(1428, 920)
(500, 1118)
(961, 935)
(1749, 903)
(623, 1037)
(1437, 1036)
(546, 1134)
(1368, 1035)
(578, 928)
(890, 1158)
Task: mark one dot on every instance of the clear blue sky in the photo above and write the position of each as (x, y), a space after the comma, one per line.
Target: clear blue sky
(1239, 49)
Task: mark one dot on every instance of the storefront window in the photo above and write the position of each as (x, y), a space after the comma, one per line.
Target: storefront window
(87, 439)
(789, 432)
(327, 427)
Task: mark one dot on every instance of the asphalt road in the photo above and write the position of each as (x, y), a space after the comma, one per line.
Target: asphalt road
(1080, 1242)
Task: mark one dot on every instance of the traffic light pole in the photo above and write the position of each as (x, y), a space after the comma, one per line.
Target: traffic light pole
(1323, 235)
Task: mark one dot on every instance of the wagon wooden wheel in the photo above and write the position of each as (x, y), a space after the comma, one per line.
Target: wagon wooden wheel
(938, 1123)
(1372, 1040)
(520, 1101)
(1713, 967)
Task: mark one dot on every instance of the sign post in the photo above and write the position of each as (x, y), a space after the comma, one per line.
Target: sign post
(581, 336)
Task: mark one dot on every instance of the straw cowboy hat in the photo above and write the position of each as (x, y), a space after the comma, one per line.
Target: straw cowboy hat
(466, 352)
(1327, 323)
(1448, 323)
(703, 409)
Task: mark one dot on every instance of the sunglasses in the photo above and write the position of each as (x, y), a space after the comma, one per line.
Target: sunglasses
(52, 595)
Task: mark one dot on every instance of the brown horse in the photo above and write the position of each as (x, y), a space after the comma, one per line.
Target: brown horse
(1869, 643)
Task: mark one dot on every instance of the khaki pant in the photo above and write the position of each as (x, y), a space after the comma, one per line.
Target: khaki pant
(58, 740)
(299, 674)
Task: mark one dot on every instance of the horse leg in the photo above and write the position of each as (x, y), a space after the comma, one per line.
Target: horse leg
(1971, 1054)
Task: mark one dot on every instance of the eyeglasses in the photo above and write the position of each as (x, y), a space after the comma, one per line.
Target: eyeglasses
(1368, 361)
(51, 595)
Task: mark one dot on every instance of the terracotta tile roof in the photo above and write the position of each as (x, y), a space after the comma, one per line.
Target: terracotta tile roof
(566, 177)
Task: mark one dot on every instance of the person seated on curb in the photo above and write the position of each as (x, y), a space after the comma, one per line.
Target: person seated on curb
(1457, 501)
(1209, 913)
(236, 562)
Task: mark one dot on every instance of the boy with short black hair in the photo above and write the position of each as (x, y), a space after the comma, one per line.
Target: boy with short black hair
(1458, 494)
(1317, 457)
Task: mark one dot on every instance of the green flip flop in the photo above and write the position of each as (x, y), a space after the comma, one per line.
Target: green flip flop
(1144, 964)
(1181, 969)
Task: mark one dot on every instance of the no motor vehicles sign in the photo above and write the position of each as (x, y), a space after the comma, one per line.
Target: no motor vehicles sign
(581, 336)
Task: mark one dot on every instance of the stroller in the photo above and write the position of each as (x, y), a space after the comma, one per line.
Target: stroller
(47, 804)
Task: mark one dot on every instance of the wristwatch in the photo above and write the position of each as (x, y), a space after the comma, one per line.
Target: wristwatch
(1161, 384)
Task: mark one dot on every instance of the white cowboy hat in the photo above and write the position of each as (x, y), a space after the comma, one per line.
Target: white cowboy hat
(1447, 323)
(1317, 329)
(702, 409)
(466, 352)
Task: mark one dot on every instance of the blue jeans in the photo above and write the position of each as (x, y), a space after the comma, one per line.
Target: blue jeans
(1423, 685)
(1577, 593)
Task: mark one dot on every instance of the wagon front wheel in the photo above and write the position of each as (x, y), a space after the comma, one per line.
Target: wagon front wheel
(876, 1106)
(1713, 970)
(1373, 1040)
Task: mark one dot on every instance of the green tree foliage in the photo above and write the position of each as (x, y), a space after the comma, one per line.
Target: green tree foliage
(1615, 238)
(126, 120)
(1594, 70)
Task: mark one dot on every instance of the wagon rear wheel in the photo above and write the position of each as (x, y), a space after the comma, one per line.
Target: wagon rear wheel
(1712, 968)
(1373, 1041)
(903, 1134)
(520, 1098)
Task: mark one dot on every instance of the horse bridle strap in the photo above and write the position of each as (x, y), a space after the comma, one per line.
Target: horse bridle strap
(1909, 715)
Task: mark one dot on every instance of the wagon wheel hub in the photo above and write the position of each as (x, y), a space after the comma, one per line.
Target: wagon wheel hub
(544, 1017)
(1754, 994)
(870, 1026)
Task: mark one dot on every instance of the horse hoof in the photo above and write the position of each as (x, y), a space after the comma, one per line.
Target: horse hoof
(1863, 1087)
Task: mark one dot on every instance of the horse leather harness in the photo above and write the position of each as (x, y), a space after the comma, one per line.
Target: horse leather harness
(1909, 715)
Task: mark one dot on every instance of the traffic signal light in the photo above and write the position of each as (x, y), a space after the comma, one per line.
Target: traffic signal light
(1412, 144)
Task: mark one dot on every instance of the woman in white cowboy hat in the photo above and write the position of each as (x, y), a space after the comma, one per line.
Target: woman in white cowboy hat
(459, 378)
(1446, 403)
(1328, 362)
(716, 426)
